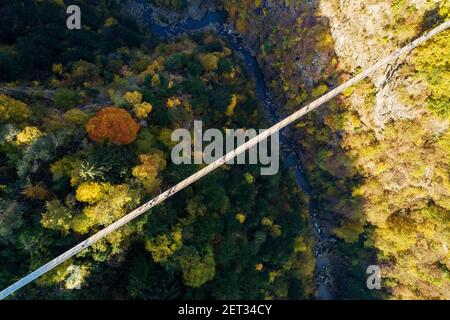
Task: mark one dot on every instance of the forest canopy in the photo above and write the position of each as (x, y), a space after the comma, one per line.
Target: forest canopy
(97, 144)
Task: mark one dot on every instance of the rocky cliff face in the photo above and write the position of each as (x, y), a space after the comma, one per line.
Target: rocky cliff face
(378, 156)
(403, 166)
(364, 32)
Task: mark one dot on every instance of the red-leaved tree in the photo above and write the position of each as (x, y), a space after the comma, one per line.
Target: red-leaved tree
(112, 124)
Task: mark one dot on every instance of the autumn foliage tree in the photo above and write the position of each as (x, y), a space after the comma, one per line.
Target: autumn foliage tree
(113, 124)
(147, 171)
(13, 110)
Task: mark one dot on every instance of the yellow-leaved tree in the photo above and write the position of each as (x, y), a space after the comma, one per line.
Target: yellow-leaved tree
(147, 171)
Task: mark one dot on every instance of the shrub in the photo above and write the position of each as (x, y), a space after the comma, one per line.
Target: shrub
(173, 102)
(36, 192)
(240, 217)
(319, 90)
(142, 110)
(76, 117)
(163, 246)
(66, 98)
(133, 98)
(90, 192)
(28, 135)
(209, 61)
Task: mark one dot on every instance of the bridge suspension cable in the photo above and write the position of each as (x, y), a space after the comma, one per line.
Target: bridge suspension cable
(230, 155)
